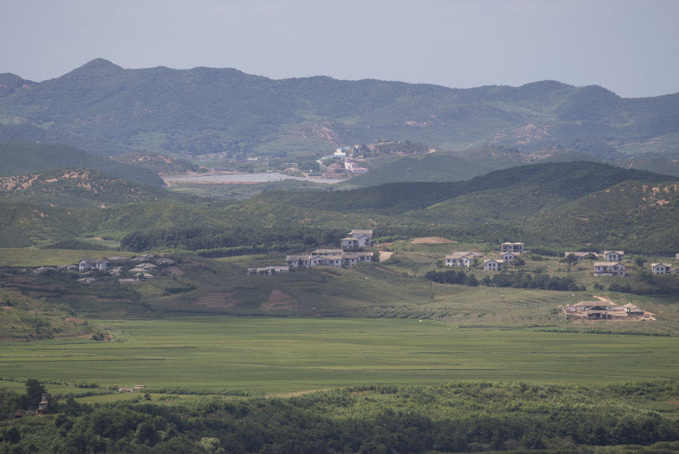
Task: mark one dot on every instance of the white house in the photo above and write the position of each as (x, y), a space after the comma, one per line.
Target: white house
(613, 256)
(358, 238)
(269, 270)
(509, 257)
(512, 247)
(352, 258)
(302, 261)
(461, 259)
(660, 268)
(609, 269)
(89, 264)
(492, 265)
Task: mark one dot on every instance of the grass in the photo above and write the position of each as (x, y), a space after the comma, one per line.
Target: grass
(276, 355)
(34, 257)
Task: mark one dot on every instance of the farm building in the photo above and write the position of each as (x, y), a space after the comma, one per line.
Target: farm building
(605, 310)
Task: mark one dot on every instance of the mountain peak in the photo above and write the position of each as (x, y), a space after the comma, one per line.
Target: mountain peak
(98, 66)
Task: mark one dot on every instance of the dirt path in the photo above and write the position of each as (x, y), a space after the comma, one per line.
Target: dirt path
(299, 393)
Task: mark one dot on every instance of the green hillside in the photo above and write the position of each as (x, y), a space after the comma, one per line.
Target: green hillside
(78, 187)
(525, 201)
(635, 216)
(23, 318)
(18, 158)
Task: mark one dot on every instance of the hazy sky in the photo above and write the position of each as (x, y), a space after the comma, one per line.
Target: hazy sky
(628, 46)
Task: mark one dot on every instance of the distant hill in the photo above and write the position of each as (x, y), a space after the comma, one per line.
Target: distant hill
(456, 165)
(569, 180)
(555, 204)
(79, 188)
(156, 163)
(106, 109)
(18, 158)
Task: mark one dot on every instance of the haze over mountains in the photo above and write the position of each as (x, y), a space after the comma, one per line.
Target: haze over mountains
(106, 109)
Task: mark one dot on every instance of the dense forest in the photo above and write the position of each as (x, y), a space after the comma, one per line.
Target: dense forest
(451, 417)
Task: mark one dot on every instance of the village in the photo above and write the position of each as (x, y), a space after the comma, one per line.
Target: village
(126, 269)
(608, 263)
(358, 247)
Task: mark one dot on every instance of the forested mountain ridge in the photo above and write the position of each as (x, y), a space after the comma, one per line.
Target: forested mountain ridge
(602, 204)
(104, 108)
(569, 180)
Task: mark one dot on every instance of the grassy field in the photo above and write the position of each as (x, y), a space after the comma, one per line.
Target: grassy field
(34, 257)
(277, 355)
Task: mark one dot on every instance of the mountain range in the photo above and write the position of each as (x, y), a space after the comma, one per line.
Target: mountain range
(103, 108)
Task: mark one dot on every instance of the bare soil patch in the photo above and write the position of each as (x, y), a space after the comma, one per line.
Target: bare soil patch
(279, 300)
(432, 240)
(175, 271)
(217, 299)
(384, 255)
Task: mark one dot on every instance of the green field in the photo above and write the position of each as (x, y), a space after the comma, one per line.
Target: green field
(277, 355)
(34, 257)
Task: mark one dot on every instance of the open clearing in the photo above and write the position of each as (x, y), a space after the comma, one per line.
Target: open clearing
(431, 240)
(284, 355)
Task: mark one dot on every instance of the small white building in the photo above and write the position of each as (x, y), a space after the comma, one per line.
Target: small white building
(269, 270)
(613, 256)
(609, 269)
(358, 238)
(512, 247)
(90, 264)
(493, 265)
(509, 257)
(302, 261)
(461, 259)
(660, 268)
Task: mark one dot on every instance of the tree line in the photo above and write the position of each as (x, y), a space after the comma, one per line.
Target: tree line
(456, 416)
(517, 279)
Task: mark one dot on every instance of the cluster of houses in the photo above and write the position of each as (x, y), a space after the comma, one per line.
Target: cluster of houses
(509, 253)
(336, 258)
(605, 310)
(341, 155)
(140, 267)
(612, 264)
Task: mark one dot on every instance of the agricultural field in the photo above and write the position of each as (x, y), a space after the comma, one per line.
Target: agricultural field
(259, 356)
